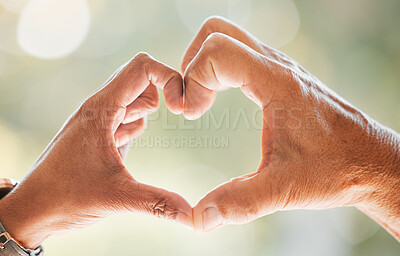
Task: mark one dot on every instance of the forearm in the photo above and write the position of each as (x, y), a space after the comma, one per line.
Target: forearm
(383, 202)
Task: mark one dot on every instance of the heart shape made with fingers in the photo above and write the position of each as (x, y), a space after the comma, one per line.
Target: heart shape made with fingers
(88, 181)
(221, 56)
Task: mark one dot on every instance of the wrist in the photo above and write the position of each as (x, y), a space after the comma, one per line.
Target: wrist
(382, 202)
(25, 223)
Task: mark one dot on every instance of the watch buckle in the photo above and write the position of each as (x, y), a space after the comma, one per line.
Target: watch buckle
(4, 239)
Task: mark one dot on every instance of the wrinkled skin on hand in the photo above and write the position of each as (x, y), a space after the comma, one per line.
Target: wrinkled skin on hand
(80, 177)
(318, 151)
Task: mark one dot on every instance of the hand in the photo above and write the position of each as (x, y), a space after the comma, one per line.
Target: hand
(80, 177)
(318, 151)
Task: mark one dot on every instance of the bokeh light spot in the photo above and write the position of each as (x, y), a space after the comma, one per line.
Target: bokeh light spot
(112, 24)
(194, 12)
(239, 11)
(51, 29)
(275, 22)
(8, 33)
(14, 6)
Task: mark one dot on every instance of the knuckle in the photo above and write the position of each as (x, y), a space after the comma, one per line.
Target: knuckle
(215, 40)
(142, 56)
(137, 64)
(216, 45)
(89, 103)
(140, 60)
(161, 209)
(88, 110)
(212, 22)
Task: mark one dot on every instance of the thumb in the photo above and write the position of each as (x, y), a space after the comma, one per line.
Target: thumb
(237, 201)
(137, 197)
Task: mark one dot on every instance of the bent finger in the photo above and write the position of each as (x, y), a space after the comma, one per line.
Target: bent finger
(225, 62)
(145, 104)
(126, 132)
(217, 24)
(135, 76)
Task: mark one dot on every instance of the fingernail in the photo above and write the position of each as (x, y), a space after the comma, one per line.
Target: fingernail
(211, 219)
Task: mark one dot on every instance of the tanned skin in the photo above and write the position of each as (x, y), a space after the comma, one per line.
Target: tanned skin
(80, 177)
(318, 151)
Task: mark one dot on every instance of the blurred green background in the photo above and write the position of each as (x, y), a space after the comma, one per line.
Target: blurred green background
(54, 53)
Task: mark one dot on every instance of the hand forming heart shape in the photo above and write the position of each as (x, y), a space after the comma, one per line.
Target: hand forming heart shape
(80, 176)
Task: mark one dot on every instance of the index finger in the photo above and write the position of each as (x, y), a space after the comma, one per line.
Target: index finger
(216, 24)
(136, 75)
(224, 61)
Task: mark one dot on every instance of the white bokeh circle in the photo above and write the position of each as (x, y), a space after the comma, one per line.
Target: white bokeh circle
(51, 29)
